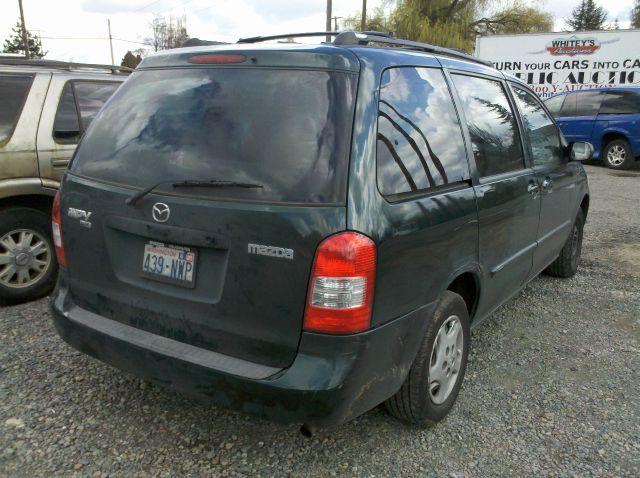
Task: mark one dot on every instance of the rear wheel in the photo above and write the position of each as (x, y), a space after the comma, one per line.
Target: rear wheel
(566, 265)
(28, 265)
(435, 378)
(618, 155)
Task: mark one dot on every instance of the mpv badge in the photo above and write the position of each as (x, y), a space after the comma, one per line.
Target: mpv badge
(82, 215)
(160, 212)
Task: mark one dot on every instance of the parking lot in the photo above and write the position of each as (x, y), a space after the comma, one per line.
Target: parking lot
(552, 389)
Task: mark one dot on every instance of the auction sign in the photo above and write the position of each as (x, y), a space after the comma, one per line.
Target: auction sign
(552, 63)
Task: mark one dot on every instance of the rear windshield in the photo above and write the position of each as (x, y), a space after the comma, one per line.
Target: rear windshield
(288, 130)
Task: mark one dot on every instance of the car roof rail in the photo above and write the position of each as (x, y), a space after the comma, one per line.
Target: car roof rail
(288, 35)
(364, 38)
(352, 38)
(62, 65)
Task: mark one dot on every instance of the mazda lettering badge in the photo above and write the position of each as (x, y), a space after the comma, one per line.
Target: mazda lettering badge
(161, 212)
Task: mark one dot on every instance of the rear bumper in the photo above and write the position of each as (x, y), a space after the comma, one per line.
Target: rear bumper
(332, 379)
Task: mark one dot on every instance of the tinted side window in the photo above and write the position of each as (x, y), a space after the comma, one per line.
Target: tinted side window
(90, 97)
(588, 103)
(541, 130)
(620, 103)
(493, 128)
(66, 127)
(79, 103)
(420, 142)
(555, 104)
(13, 94)
(570, 104)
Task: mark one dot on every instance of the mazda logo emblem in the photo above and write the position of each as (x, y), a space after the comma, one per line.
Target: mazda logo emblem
(160, 212)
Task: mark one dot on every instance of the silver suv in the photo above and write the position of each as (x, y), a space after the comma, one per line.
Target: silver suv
(45, 107)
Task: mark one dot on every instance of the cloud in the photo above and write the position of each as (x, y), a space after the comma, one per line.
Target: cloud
(125, 6)
(284, 10)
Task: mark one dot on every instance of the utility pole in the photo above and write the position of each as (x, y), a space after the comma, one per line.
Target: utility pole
(328, 24)
(363, 22)
(25, 38)
(335, 23)
(110, 41)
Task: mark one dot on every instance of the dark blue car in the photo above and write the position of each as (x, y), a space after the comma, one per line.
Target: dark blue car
(608, 118)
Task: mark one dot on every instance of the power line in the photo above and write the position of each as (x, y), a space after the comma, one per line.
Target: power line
(93, 38)
(130, 41)
(147, 5)
(173, 8)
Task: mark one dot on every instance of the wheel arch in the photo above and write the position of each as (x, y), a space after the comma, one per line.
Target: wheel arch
(584, 205)
(467, 285)
(41, 202)
(612, 135)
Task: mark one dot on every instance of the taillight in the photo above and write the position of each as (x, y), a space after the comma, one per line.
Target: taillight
(56, 227)
(341, 286)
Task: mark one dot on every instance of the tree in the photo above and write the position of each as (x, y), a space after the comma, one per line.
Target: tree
(516, 18)
(167, 33)
(131, 60)
(587, 16)
(376, 22)
(455, 23)
(14, 43)
(635, 15)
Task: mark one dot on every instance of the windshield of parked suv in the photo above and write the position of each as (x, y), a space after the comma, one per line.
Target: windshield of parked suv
(288, 130)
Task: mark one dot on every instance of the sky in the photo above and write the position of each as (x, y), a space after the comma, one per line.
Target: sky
(76, 30)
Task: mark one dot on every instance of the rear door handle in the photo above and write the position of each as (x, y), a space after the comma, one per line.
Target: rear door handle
(547, 184)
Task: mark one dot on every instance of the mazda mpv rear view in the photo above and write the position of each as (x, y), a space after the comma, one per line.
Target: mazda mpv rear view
(306, 231)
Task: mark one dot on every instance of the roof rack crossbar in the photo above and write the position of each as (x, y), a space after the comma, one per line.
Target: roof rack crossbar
(288, 35)
(356, 38)
(62, 65)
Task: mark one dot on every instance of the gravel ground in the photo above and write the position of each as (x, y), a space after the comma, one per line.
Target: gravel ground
(552, 389)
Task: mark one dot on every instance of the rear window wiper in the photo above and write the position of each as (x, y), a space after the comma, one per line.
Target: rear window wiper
(190, 183)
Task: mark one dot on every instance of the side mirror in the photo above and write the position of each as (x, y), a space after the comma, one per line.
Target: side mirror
(581, 151)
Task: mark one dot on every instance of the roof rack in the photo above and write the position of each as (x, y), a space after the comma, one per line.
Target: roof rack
(364, 38)
(62, 65)
(288, 35)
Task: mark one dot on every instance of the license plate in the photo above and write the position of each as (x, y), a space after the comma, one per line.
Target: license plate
(168, 263)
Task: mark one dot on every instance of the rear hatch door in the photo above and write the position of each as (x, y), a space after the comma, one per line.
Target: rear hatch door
(222, 266)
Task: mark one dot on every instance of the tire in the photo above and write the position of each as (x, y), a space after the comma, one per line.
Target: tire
(36, 256)
(414, 403)
(566, 265)
(617, 154)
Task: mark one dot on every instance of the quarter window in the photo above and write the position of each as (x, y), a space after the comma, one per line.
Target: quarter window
(79, 103)
(13, 93)
(542, 132)
(588, 103)
(66, 126)
(570, 105)
(419, 142)
(495, 138)
(555, 104)
(620, 103)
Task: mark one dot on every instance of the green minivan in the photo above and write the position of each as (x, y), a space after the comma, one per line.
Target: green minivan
(303, 232)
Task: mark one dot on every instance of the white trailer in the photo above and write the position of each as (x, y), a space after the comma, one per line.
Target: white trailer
(563, 61)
